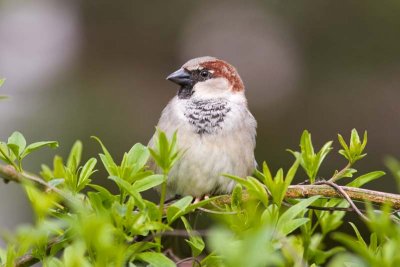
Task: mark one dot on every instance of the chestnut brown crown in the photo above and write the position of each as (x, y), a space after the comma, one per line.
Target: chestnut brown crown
(219, 69)
(204, 68)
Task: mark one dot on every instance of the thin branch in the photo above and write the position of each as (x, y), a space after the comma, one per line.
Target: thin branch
(8, 173)
(355, 194)
(345, 195)
(340, 173)
(29, 259)
(193, 259)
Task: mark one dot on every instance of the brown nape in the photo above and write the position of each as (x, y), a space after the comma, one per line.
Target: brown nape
(225, 70)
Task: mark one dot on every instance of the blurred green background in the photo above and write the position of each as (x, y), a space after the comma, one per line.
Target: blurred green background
(81, 68)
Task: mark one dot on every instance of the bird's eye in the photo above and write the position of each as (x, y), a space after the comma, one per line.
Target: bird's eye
(204, 73)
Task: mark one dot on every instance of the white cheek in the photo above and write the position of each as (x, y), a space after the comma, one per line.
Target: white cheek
(212, 88)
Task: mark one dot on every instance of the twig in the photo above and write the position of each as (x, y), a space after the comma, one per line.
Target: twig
(188, 259)
(340, 173)
(345, 195)
(356, 194)
(9, 173)
(29, 259)
(217, 212)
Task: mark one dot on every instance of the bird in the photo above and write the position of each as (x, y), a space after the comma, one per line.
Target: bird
(215, 129)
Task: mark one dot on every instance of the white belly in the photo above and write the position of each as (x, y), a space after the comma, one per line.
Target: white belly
(200, 169)
(207, 156)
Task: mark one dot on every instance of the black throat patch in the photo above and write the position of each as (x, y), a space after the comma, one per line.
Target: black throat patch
(185, 92)
(207, 116)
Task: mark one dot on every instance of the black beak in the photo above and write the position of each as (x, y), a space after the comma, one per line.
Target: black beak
(181, 77)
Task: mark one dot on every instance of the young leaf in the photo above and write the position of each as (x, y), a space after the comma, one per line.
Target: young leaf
(295, 210)
(177, 209)
(138, 156)
(359, 237)
(85, 173)
(74, 158)
(292, 225)
(195, 241)
(107, 159)
(165, 153)
(6, 155)
(148, 182)
(16, 142)
(353, 152)
(129, 189)
(156, 259)
(35, 146)
(236, 197)
(310, 161)
(366, 178)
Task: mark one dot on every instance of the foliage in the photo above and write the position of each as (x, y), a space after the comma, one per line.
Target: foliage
(80, 223)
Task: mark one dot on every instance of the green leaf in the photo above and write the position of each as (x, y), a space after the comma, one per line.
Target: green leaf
(86, 172)
(195, 241)
(2, 81)
(107, 159)
(156, 259)
(58, 166)
(148, 182)
(17, 143)
(35, 146)
(254, 187)
(6, 155)
(291, 173)
(177, 209)
(294, 211)
(165, 153)
(353, 152)
(129, 189)
(138, 156)
(343, 143)
(353, 243)
(354, 140)
(310, 161)
(292, 225)
(236, 198)
(359, 237)
(74, 158)
(366, 178)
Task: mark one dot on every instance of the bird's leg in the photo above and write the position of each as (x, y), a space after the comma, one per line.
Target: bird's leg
(198, 199)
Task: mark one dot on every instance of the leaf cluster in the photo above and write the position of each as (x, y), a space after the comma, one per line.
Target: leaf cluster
(78, 222)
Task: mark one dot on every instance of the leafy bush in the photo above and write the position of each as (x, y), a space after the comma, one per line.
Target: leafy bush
(266, 221)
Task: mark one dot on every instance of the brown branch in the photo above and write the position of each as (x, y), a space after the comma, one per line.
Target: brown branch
(9, 173)
(29, 259)
(345, 196)
(355, 194)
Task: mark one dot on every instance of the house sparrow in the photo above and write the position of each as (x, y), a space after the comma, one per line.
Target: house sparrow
(215, 129)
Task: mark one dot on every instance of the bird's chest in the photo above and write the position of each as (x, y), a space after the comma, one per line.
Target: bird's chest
(206, 116)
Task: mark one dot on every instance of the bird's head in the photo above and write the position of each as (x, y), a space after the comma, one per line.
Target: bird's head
(207, 77)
